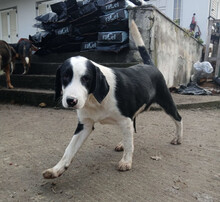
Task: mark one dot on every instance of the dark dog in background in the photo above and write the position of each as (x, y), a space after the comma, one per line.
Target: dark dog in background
(7, 59)
(24, 49)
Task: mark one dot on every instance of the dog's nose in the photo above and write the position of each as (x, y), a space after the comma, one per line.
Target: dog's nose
(71, 101)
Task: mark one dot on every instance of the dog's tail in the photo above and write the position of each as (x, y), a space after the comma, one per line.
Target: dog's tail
(140, 44)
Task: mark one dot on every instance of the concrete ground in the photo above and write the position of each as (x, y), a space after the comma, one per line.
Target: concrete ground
(34, 139)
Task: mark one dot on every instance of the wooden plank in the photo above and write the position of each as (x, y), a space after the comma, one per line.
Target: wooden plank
(215, 34)
(212, 59)
(218, 60)
(208, 39)
(218, 20)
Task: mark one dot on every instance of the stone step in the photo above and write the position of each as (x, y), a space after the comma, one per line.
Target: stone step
(38, 85)
(96, 56)
(37, 68)
(23, 96)
(45, 82)
(42, 75)
(45, 68)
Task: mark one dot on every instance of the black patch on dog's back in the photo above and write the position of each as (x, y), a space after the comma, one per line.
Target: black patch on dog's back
(24, 48)
(139, 85)
(135, 86)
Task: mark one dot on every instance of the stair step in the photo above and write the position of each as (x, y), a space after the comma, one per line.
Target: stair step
(50, 68)
(38, 68)
(38, 85)
(96, 56)
(30, 81)
(27, 96)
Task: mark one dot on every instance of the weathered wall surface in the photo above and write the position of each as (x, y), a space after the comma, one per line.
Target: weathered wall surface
(172, 50)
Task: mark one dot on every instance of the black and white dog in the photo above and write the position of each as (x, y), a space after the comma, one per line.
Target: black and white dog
(111, 96)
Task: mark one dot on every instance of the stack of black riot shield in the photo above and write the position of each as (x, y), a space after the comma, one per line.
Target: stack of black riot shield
(83, 25)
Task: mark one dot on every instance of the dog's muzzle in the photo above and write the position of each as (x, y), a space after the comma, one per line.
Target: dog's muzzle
(71, 101)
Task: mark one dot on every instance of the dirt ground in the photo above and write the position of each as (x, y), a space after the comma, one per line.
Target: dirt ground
(34, 139)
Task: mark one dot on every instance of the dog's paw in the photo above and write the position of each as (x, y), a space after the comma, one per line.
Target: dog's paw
(176, 141)
(124, 166)
(119, 147)
(50, 174)
(10, 86)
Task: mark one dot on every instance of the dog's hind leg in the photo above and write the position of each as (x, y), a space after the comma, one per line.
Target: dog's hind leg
(26, 64)
(127, 127)
(165, 100)
(12, 68)
(179, 132)
(171, 110)
(80, 135)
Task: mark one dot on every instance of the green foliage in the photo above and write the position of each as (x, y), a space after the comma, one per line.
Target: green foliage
(192, 34)
(200, 40)
(177, 21)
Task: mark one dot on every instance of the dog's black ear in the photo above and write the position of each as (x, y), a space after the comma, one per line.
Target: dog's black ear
(58, 85)
(101, 85)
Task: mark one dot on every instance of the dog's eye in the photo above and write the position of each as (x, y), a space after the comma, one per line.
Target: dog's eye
(85, 79)
(66, 76)
(66, 79)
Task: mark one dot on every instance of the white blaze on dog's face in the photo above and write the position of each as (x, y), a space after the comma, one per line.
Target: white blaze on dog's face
(79, 77)
(72, 75)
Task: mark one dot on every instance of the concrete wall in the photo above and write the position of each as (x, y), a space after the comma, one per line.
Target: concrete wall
(165, 6)
(172, 50)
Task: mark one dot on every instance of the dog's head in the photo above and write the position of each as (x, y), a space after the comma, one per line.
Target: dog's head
(77, 78)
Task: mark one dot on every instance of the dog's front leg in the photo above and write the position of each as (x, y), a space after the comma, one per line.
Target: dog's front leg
(7, 73)
(127, 127)
(80, 135)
